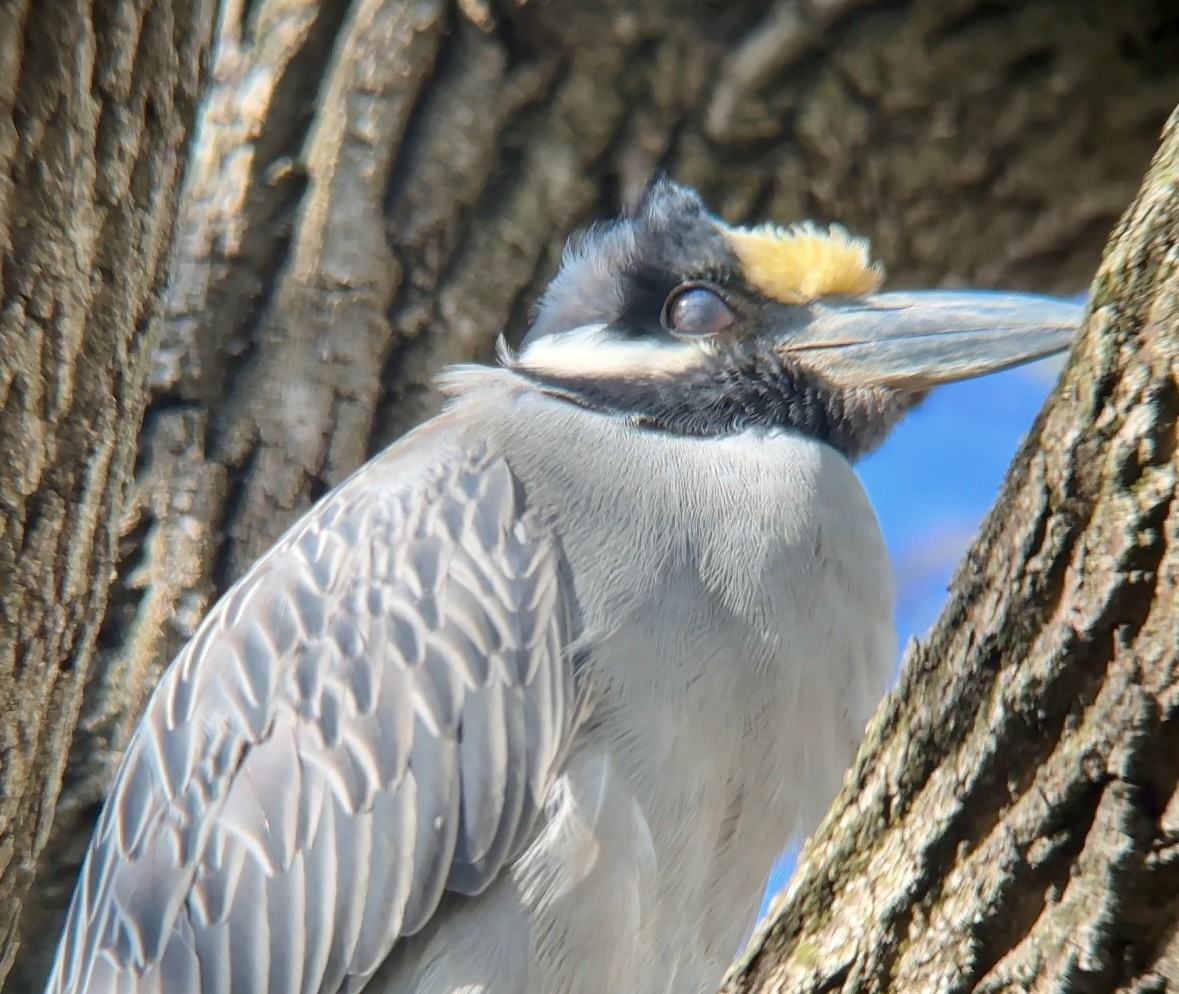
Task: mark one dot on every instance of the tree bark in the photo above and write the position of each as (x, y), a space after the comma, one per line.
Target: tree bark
(1012, 822)
(96, 106)
(379, 187)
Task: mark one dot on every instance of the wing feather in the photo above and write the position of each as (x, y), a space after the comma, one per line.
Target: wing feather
(369, 717)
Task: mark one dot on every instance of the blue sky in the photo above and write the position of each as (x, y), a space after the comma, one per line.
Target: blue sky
(932, 483)
(934, 480)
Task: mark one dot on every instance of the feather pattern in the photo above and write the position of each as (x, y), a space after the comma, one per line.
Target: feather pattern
(370, 717)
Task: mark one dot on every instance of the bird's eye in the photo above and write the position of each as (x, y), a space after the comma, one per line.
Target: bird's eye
(697, 312)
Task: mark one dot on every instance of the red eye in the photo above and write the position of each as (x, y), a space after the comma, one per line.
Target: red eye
(697, 312)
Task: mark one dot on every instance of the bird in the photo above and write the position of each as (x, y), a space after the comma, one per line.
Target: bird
(532, 702)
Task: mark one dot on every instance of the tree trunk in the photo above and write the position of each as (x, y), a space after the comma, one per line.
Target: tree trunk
(1012, 822)
(96, 105)
(380, 186)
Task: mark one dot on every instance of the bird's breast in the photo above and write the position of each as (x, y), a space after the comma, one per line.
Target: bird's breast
(734, 607)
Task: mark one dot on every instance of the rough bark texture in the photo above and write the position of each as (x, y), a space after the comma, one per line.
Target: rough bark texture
(1013, 821)
(97, 101)
(380, 186)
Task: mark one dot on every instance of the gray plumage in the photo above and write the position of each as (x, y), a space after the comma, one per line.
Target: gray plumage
(372, 714)
(529, 705)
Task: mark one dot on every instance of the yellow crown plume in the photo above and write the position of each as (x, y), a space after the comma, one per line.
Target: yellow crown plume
(803, 262)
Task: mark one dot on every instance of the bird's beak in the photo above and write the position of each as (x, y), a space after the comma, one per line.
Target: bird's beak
(915, 341)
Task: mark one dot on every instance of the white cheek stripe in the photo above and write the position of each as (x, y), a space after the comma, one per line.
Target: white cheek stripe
(594, 351)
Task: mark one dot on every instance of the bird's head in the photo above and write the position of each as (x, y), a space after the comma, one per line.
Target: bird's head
(681, 322)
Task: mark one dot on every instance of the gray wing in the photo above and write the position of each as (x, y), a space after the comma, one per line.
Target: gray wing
(369, 718)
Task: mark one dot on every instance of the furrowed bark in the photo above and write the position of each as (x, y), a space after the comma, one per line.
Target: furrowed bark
(97, 102)
(1012, 823)
(379, 187)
